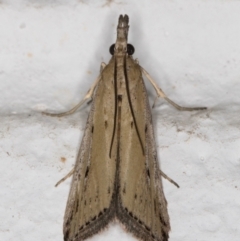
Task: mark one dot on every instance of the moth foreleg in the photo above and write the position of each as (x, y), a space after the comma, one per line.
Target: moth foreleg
(161, 94)
(103, 65)
(87, 96)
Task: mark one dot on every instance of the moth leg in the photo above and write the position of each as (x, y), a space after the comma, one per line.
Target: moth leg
(103, 65)
(87, 96)
(64, 178)
(161, 94)
(168, 178)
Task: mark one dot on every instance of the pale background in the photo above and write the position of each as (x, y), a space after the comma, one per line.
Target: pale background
(50, 54)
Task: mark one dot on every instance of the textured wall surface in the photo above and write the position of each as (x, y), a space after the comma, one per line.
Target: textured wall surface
(50, 54)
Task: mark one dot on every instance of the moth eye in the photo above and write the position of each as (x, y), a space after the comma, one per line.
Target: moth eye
(111, 49)
(130, 49)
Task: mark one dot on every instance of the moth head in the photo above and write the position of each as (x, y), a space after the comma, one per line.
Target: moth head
(130, 49)
(121, 46)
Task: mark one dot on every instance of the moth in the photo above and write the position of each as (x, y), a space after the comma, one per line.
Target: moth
(116, 175)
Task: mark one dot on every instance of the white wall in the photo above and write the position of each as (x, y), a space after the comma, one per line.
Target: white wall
(50, 54)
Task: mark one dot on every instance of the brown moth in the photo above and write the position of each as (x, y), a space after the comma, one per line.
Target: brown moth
(117, 175)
